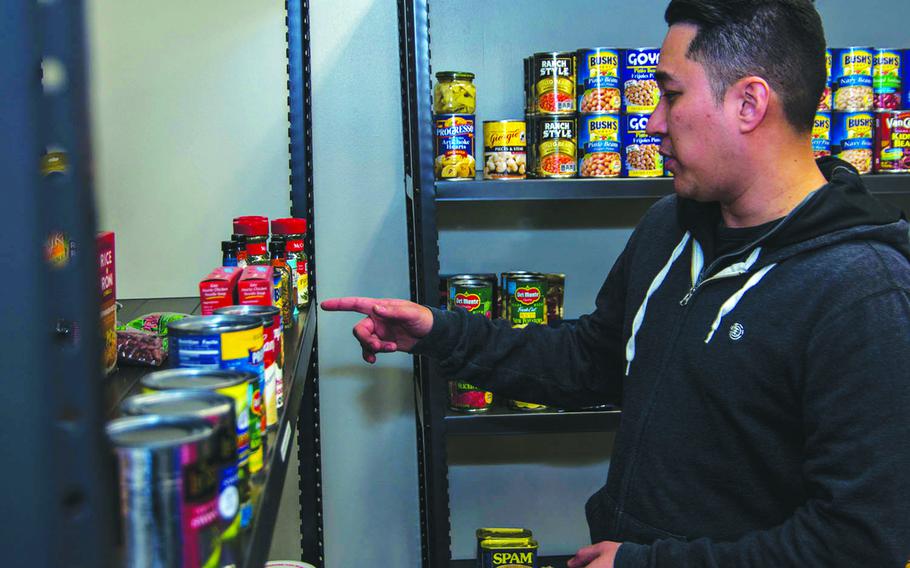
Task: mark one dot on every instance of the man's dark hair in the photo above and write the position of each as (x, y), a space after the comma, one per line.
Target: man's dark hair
(781, 41)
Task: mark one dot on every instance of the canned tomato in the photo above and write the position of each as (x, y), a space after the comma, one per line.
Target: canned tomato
(892, 142)
(887, 73)
(554, 82)
(168, 490)
(821, 134)
(527, 299)
(473, 295)
(599, 152)
(827, 100)
(640, 93)
(851, 138)
(641, 151)
(504, 149)
(465, 397)
(508, 553)
(555, 139)
(454, 147)
(851, 78)
(598, 80)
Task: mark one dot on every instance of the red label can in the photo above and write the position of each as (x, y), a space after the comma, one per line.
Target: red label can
(891, 151)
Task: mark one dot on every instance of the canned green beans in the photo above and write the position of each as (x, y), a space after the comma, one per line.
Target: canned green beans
(472, 294)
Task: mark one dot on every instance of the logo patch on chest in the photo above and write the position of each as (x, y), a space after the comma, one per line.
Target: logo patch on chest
(737, 331)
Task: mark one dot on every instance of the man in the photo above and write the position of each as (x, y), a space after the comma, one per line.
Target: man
(756, 328)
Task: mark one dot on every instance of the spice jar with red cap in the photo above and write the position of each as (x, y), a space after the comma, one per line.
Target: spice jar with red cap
(255, 232)
(294, 232)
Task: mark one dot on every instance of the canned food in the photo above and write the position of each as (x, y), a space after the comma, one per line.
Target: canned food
(168, 490)
(273, 354)
(556, 290)
(555, 139)
(502, 289)
(218, 411)
(827, 100)
(531, 135)
(454, 93)
(504, 149)
(851, 77)
(508, 553)
(554, 82)
(641, 151)
(465, 397)
(527, 299)
(887, 73)
(821, 134)
(473, 295)
(892, 142)
(640, 93)
(454, 147)
(483, 534)
(529, 84)
(851, 138)
(599, 152)
(527, 406)
(598, 80)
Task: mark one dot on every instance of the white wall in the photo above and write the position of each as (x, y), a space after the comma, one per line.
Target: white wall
(189, 118)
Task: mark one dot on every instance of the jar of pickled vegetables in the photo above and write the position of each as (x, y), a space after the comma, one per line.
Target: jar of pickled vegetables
(455, 93)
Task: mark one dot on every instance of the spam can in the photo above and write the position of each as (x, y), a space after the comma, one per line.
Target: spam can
(168, 490)
(598, 80)
(851, 78)
(599, 153)
(527, 299)
(556, 146)
(892, 142)
(486, 533)
(826, 103)
(821, 134)
(887, 79)
(640, 93)
(852, 138)
(554, 82)
(641, 151)
(454, 134)
(508, 553)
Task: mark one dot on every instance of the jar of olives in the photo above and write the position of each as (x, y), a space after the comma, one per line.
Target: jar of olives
(455, 93)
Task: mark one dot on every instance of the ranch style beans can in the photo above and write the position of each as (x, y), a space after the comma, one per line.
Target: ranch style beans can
(640, 93)
(454, 147)
(505, 151)
(821, 134)
(892, 142)
(554, 82)
(527, 299)
(168, 490)
(827, 101)
(887, 75)
(851, 78)
(852, 138)
(641, 151)
(555, 139)
(598, 80)
(508, 553)
(599, 151)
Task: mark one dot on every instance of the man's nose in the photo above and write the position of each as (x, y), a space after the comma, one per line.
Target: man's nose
(657, 124)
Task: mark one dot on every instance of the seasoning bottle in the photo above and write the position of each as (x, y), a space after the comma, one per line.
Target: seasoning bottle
(294, 232)
(281, 283)
(240, 246)
(228, 253)
(255, 230)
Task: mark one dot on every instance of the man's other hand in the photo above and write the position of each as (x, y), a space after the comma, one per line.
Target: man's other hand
(390, 325)
(600, 555)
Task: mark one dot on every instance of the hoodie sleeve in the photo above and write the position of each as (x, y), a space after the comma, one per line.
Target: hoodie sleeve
(856, 422)
(570, 366)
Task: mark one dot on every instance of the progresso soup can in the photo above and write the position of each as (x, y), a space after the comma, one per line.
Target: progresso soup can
(852, 138)
(218, 411)
(598, 80)
(599, 151)
(556, 140)
(851, 77)
(821, 134)
(168, 490)
(641, 151)
(640, 93)
(887, 79)
(892, 142)
(554, 82)
(454, 147)
(826, 103)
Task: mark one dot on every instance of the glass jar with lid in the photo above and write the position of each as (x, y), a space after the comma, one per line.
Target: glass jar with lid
(455, 93)
(255, 231)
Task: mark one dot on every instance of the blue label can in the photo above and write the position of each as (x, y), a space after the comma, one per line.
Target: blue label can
(852, 138)
(599, 152)
(641, 152)
(640, 93)
(454, 146)
(821, 134)
(851, 78)
(598, 80)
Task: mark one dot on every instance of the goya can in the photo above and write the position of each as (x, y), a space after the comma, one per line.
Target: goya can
(218, 411)
(821, 134)
(851, 78)
(508, 553)
(827, 100)
(471, 294)
(852, 138)
(554, 82)
(599, 151)
(641, 151)
(487, 533)
(555, 139)
(887, 79)
(505, 150)
(527, 299)
(598, 80)
(168, 490)
(892, 142)
(640, 93)
(242, 388)
(454, 147)
(465, 397)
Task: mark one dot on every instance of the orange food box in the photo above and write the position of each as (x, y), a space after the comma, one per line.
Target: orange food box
(255, 286)
(219, 289)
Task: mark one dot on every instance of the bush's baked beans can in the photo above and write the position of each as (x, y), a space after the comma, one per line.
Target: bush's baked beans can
(505, 150)
(892, 142)
(851, 78)
(641, 151)
(821, 134)
(555, 141)
(640, 93)
(598, 80)
(887, 79)
(827, 100)
(554, 82)
(852, 138)
(599, 153)
(454, 134)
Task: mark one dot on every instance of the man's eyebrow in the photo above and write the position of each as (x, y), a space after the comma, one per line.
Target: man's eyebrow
(663, 77)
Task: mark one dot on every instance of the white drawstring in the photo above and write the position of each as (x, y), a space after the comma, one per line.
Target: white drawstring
(731, 302)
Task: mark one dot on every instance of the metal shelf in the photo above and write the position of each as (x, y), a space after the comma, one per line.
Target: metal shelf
(542, 561)
(616, 188)
(500, 421)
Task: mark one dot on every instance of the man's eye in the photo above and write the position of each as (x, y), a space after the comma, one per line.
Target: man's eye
(670, 95)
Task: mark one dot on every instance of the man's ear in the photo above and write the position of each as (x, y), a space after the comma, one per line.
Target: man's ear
(752, 97)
